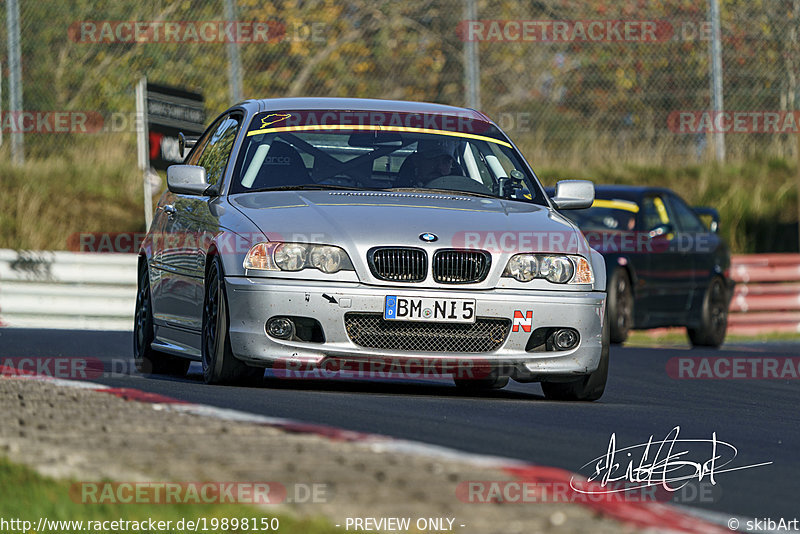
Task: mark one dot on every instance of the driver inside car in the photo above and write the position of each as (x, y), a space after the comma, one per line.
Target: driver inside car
(432, 159)
(434, 163)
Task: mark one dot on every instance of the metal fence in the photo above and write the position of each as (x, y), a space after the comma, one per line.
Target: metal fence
(573, 81)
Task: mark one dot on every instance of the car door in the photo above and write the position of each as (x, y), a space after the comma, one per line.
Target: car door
(191, 226)
(699, 245)
(665, 283)
(166, 281)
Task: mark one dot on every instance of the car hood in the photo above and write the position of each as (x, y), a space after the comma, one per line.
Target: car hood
(356, 219)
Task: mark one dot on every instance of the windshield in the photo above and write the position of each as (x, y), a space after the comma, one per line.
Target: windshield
(605, 215)
(380, 158)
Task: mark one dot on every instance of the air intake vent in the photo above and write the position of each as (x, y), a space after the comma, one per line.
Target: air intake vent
(369, 330)
(451, 266)
(398, 264)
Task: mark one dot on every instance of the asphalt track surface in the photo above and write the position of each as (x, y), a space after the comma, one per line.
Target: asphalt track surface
(758, 417)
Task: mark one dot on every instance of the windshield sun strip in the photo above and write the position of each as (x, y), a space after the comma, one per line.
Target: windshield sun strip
(371, 127)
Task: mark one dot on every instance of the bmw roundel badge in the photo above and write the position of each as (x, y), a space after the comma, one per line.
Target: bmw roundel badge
(429, 237)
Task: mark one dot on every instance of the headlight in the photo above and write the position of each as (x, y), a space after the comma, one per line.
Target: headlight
(290, 256)
(555, 268)
(328, 259)
(296, 257)
(523, 267)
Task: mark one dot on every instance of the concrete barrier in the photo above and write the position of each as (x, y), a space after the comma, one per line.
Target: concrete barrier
(67, 290)
(767, 296)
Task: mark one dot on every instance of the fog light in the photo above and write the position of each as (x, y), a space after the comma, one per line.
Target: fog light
(280, 327)
(565, 339)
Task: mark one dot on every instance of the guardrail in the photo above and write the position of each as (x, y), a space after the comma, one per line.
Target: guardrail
(78, 290)
(767, 295)
(67, 290)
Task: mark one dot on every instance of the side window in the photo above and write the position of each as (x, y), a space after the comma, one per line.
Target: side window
(194, 155)
(686, 219)
(214, 155)
(654, 213)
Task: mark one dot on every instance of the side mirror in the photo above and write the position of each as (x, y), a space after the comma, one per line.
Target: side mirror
(574, 194)
(187, 179)
(185, 143)
(709, 216)
(661, 230)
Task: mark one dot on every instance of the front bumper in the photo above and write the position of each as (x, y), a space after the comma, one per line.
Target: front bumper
(252, 301)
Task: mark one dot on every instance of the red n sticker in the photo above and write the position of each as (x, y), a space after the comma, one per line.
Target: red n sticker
(525, 321)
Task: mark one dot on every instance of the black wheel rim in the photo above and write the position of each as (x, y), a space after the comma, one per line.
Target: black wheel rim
(718, 311)
(624, 304)
(210, 316)
(142, 315)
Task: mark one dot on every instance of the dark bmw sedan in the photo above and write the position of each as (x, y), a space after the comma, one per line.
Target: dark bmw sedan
(666, 264)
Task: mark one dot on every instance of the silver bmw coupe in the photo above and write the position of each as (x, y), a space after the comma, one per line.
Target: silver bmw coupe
(361, 236)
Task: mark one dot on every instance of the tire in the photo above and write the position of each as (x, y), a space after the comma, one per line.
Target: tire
(620, 305)
(587, 388)
(220, 366)
(147, 360)
(714, 317)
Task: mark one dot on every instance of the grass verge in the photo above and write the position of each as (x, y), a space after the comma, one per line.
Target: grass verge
(46, 200)
(27, 496)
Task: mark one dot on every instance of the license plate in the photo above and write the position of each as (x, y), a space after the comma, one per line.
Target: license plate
(399, 308)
